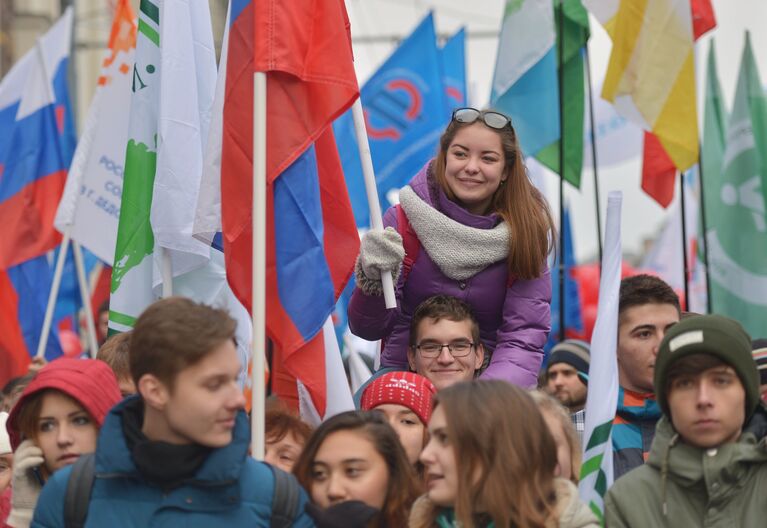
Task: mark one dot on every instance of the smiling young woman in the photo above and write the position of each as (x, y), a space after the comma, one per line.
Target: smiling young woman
(482, 233)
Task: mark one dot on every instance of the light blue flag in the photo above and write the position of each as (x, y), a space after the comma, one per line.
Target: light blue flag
(405, 115)
(525, 79)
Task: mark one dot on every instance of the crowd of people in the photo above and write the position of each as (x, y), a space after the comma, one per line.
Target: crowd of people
(463, 424)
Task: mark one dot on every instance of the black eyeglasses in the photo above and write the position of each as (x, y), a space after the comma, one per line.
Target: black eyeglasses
(492, 119)
(457, 349)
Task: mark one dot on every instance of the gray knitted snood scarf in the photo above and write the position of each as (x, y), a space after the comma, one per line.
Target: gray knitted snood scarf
(458, 250)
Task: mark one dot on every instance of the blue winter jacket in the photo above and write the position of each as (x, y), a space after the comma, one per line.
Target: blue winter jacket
(230, 489)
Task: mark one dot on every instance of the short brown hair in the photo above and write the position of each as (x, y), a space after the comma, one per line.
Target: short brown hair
(280, 423)
(443, 307)
(173, 334)
(115, 352)
(645, 289)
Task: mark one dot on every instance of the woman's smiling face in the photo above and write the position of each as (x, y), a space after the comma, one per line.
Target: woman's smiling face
(474, 167)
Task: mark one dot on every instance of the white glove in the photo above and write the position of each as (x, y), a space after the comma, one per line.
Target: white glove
(380, 252)
(26, 487)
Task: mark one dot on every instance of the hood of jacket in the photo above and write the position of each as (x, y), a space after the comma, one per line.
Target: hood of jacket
(688, 466)
(222, 466)
(570, 512)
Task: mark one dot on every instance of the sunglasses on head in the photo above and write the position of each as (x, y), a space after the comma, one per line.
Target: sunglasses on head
(494, 120)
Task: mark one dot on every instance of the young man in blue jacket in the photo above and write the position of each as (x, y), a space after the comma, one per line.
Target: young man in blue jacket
(177, 453)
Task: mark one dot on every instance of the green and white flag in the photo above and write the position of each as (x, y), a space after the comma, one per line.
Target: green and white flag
(90, 205)
(737, 227)
(602, 399)
(173, 83)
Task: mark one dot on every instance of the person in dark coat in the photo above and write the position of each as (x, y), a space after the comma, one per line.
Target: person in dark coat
(176, 454)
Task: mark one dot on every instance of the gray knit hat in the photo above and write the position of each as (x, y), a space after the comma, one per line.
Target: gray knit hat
(575, 353)
(715, 335)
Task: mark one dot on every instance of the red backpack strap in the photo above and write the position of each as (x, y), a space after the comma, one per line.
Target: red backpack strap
(409, 241)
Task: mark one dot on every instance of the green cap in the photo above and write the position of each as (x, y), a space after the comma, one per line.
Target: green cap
(714, 335)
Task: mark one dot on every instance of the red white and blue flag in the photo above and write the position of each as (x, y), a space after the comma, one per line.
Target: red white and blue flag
(37, 141)
(312, 242)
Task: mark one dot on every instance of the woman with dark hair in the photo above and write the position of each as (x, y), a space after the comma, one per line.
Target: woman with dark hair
(483, 469)
(56, 419)
(357, 473)
(475, 228)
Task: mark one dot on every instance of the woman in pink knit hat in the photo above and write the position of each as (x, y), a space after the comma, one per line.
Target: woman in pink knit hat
(56, 420)
(405, 400)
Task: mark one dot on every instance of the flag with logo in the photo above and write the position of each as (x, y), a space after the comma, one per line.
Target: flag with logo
(404, 108)
(453, 62)
(525, 79)
(736, 223)
(602, 399)
(37, 128)
(90, 205)
(172, 92)
(312, 241)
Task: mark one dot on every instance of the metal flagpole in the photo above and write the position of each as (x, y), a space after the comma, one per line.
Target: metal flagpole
(57, 272)
(86, 298)
(685, 259)
(561, 256)
(594, 152)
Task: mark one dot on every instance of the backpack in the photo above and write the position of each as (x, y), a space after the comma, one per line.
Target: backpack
(77, 497)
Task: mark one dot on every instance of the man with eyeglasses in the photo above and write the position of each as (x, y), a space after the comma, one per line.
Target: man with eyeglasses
(445, 346)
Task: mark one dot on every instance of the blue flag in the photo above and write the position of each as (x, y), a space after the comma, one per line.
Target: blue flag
(453, 62)
(405, 115)
(573, 319)
(32, 282)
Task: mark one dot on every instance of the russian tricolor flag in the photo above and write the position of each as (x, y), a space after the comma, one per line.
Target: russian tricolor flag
(312, 241)
(37, 140)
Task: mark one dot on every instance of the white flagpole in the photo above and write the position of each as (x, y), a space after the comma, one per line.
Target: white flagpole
(43, 342)
(376, 221)
(167, 272)
(259, 266)
(57, 272)
(86, 298)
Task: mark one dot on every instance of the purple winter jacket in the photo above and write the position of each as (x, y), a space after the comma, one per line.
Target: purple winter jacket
(514, 321)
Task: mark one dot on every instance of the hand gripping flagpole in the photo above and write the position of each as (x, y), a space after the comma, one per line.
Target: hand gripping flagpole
(376, 221)
(258, 389)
